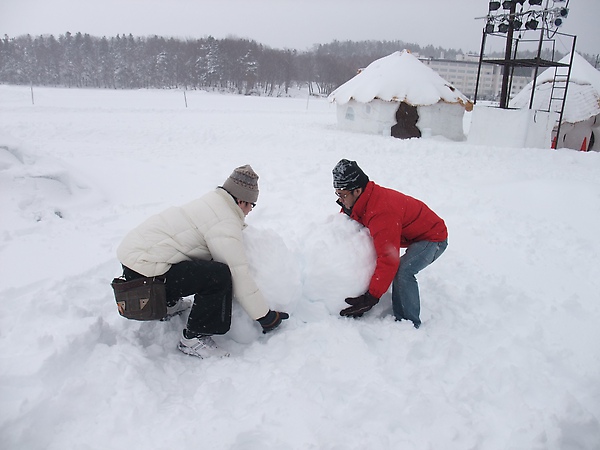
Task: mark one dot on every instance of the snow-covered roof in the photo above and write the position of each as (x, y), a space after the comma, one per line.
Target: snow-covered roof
(583, 93)
(399, 77)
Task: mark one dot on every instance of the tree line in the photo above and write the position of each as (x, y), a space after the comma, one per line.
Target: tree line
(237, 65)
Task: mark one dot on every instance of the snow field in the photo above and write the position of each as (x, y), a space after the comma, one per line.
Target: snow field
(506, 356)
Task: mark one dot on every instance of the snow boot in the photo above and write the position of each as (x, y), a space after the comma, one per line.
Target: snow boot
(201, 347)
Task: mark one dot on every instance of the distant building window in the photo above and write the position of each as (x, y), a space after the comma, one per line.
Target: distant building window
(350, 113)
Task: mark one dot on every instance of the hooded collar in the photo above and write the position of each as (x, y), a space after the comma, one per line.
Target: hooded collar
(361, 202)
(231, 203)
(360, 207)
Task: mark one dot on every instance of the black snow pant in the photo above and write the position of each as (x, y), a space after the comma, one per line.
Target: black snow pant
(210, 283)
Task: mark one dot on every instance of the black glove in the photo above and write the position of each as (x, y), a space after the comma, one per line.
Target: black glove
(272, 320)
(359, 305)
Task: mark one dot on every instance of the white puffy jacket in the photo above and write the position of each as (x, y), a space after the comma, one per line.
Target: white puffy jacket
(207, 228)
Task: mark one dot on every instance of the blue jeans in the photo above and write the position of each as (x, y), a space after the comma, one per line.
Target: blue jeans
(406, 303)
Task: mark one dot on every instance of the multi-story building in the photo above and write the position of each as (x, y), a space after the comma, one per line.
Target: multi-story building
(462, 73)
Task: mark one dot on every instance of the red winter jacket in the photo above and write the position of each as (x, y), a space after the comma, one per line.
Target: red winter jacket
(394, 220)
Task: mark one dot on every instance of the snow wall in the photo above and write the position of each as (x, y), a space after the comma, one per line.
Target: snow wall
(515, 128)
(442, 119)
(375, 117)
(378, 117)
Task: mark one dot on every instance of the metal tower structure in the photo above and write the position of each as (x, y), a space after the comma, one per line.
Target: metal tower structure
(528, 22)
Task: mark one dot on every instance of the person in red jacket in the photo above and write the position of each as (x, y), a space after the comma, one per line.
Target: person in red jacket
(395, 221)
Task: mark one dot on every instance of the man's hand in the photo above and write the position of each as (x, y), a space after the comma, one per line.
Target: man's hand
(359, 305)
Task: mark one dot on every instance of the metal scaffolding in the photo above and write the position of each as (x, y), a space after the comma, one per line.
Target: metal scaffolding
(520, 25)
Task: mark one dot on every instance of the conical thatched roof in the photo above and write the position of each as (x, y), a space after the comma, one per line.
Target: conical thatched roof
(399, 77)
(583, 93)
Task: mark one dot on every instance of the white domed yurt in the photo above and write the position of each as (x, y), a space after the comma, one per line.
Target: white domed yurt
(580, 127)
(400, 96)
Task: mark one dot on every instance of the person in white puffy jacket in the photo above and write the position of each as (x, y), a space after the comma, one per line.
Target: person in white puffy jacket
(198, 248)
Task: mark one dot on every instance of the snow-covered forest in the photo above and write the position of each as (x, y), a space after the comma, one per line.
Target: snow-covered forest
(237, 65)
(234, 65)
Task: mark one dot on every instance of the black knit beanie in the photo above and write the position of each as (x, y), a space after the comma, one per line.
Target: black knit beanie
(348, 176)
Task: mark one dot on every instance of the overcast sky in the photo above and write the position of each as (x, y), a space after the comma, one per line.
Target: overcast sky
(296, 24)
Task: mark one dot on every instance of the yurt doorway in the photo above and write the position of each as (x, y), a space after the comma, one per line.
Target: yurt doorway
(406, 122)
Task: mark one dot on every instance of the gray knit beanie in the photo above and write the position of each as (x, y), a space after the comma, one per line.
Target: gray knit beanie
(243, 184)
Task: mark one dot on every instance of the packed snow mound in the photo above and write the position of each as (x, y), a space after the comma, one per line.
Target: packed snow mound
(42, 187)
(298, 278)
(399, 77)
(583, 93)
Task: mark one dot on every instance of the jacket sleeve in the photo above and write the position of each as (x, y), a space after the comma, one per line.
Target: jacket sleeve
(386, 239)
(225, 243)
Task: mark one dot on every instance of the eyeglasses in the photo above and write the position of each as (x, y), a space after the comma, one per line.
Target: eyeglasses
(343, 196)
(248, 203)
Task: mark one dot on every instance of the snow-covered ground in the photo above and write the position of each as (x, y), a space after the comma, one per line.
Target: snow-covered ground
(508, 356)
